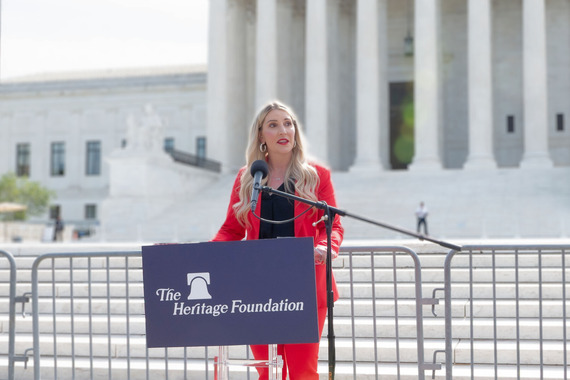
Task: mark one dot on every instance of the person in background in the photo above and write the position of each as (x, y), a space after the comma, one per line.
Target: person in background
(421, 214)
(276, 137)
(58, 229)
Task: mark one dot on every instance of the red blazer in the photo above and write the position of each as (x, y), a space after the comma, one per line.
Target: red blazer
(232, 230)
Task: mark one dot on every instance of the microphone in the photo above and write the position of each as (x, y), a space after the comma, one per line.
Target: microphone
(259, 170)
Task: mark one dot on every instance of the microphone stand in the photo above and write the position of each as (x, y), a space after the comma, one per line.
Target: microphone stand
(329, 214)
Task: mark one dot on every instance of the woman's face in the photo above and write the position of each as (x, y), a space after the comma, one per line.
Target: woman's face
(278, 132)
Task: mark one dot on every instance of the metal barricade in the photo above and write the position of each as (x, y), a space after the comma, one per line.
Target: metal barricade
(505, 315)
(11, 312)
(505, 312)
(88, 321)
(383, 289)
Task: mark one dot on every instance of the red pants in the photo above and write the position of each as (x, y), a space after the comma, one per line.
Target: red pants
(301, 360)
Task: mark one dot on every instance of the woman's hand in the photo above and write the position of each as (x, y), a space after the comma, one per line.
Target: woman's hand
(320, 254)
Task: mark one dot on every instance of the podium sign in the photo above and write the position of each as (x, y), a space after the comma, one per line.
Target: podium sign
(230, 293)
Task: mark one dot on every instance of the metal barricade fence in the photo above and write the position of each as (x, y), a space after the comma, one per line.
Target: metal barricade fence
(506, 312)
(88, 319)
(11, 312)
(88, 322)
(383, 287)
(505, 317)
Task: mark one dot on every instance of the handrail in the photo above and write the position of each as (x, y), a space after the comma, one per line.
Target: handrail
(193, 160)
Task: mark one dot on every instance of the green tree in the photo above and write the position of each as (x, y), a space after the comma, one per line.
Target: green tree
(29, 193)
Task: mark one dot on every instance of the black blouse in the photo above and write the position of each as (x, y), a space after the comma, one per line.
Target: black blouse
(275, 207)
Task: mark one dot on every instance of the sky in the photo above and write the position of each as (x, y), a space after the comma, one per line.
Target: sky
(47, 36)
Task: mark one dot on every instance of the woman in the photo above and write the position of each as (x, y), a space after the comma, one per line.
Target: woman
(275, 137)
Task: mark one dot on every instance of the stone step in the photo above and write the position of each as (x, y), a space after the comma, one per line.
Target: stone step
(360, 258)
(404, 275)
(505, 308)
(433, 328)
(461, 260)
(194, 369)
(26, 261)
(117, 305)
(119, 346)
(360, 289)
(527, 351)
(506, 372)
(527, 291)
(458, 275)
(380, 260)
(79, 275)
(366, 349)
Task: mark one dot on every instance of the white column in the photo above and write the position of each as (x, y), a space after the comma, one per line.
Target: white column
(367, 87)
(266, 52)
(480, 86)
(228, 119)
(535, 87)
(427, 98)
(217, 83)
(316, 111)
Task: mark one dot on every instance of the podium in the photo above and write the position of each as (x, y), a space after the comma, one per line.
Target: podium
(231, 293)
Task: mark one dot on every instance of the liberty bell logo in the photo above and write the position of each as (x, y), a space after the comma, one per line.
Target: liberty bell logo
(198, 283)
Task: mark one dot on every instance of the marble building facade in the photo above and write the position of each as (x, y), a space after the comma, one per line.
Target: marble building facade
(61, 129)
(487, 88)
(489, 80)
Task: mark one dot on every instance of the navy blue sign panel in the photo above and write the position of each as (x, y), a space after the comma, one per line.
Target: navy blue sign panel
(230, 293)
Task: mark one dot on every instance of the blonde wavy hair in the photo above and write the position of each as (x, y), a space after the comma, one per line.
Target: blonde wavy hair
(304, 175)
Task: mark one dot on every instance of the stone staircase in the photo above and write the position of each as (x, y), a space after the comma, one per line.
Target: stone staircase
(84, 350)
(462, 204)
